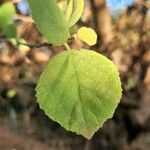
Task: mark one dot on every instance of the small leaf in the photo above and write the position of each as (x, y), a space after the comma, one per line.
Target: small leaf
(87, 35)
(131, 82)
(13, 41)
(72, 10)
(50, 20)
(7, 12)
(11, 93)
(80, 90)
(10, 31)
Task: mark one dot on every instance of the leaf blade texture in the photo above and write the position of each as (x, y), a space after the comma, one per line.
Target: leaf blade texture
(88, 35)
(49, 20)
(7, 12)
(80, 90)
(72, 10)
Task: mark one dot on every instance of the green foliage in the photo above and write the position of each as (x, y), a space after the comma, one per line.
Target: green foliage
(87, 35)
(7, 12)
(11, 93)
(80, 90)
(131, 82)
(10, 31)
(56, 17)
(72, 10)
(50, 20)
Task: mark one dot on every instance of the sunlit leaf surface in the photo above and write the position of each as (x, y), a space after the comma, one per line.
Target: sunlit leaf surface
(80, 90)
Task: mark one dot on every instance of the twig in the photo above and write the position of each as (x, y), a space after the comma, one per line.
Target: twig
(26, 44)
(34, 45)
(67, 46)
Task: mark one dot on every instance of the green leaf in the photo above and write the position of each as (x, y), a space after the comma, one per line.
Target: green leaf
(7, 12)
(50, 20)
(11, 93)
(10, 31)
(72, 9)
(80, 90)
(88, 35)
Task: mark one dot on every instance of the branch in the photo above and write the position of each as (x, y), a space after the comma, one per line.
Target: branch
(26, 44)
(34, 45)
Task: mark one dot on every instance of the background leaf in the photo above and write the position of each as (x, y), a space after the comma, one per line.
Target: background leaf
(50, 20)
(7, 12)
(10, 31)
(80, 90)
(88, 35)
(72, 9)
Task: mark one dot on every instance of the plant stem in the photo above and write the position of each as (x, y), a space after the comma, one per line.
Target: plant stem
(67, 46)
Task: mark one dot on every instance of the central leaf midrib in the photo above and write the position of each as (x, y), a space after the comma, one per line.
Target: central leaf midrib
(61, 72)
(59, 79)
(78, 91)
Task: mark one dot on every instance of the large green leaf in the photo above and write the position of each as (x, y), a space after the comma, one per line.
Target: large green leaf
(50, 20)
(80, 90)
(72, 9)
(7, 12)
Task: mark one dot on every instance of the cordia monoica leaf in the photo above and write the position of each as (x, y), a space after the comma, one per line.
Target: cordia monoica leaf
(50, 20)
(72, 10)
(80, 90)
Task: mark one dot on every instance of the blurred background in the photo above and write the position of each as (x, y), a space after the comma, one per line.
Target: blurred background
(123, 29)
